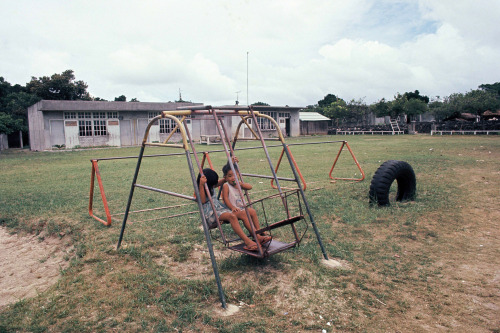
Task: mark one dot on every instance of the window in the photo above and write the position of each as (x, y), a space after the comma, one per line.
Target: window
(284, 115)
(85, 127)
(100, 127)
(166, 124)
(266, 124)
(69, 115)
(92, 124)
(112, 115)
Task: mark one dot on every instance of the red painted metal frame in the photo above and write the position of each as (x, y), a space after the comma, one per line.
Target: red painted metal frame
(95, 172)
(344, 143)
(296, 167)
(206, 157)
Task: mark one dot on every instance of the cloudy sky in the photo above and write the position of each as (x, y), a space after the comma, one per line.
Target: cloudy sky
(294, 51)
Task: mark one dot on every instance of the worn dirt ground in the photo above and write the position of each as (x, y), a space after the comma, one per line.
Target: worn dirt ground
(28, 265)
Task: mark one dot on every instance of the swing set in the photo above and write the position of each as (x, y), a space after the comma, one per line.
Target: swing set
(292, 200)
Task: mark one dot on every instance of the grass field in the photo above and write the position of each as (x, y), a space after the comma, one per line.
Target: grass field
(427, 265)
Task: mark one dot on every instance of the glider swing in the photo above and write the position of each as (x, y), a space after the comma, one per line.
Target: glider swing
(285, 197)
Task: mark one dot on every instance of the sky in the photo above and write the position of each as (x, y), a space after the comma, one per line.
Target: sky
(281, 52)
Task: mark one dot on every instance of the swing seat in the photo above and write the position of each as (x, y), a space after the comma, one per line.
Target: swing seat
(280, 224)
(274, 246)
(269, 248)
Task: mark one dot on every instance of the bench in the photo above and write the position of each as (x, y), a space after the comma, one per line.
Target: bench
(209, 139)
(464, 132)
(348, 132)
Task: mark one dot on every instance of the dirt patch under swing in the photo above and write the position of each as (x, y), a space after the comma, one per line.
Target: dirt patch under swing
(28, 265)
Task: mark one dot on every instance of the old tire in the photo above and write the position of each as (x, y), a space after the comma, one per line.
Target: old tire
(383, 178)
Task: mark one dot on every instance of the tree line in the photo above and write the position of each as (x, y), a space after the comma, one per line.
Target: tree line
(15, 99)
(411, 104)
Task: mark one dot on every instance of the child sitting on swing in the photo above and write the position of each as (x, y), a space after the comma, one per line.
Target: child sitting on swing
(211, 178)
(233, 201)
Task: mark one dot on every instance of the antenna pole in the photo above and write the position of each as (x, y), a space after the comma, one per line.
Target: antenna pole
(247, 78)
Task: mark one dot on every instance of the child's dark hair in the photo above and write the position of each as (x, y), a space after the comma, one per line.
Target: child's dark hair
(212, 179)
(226, 168)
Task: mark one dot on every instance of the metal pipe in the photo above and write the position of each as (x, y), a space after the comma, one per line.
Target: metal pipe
(267, 177)
(183, 196)
(129, 202)
(316, 230)
(214, 151)
(206, 232)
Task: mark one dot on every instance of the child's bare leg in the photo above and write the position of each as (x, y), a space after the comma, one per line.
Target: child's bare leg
(255, 219)
(233, 220)
(264, 237)
(242, 215)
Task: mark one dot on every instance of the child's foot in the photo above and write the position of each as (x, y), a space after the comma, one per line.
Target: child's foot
(251, 247)
(264, 239)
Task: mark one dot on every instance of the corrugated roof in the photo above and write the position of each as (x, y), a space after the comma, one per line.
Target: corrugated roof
(312, 116)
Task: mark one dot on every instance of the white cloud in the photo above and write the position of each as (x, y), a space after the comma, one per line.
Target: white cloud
(299, 51)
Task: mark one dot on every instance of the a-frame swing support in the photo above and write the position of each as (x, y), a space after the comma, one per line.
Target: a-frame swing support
(244, 113)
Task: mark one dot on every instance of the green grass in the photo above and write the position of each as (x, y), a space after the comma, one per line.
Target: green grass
(387, 251)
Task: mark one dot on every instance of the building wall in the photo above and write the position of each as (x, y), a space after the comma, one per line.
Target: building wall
(4, 142)
(313, 127)
(56, 123)
(36, 130)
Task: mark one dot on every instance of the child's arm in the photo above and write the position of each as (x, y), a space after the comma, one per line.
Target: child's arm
(203, 196)
(245, 186)
(221, 182)
(225, 198)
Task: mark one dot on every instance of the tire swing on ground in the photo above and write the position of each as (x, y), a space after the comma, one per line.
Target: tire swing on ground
(383, 178)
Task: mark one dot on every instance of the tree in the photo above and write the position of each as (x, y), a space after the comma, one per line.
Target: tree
(357, 109)
(494, 88)
(327, 100)
(260, 103)
(381, 108)
(475, 102)
(336, 110)
(416, 95)
(415, 106)
(121, 98)
(59, 87)
(134, 100)
(14, 101)
(9, 124)
(397, 106)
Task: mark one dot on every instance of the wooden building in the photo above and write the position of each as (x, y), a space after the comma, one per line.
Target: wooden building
(73, 124)
(313, 123)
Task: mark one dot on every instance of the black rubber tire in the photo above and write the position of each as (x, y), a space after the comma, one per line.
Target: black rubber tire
(383, 178)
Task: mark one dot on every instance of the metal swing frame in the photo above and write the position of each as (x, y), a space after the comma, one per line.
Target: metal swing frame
(245, 113)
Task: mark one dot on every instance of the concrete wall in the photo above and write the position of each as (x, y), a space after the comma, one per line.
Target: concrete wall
(4, 142)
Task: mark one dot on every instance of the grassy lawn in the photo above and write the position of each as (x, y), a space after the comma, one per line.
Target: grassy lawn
(402, 266)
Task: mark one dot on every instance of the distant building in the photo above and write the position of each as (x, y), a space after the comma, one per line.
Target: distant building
(70, 124)
(313, 123)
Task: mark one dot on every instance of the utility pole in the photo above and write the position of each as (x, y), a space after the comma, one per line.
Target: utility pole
(247, 79)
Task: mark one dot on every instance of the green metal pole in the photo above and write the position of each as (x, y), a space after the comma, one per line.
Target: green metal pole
(207, 232)
(297, 179)
(139, 160)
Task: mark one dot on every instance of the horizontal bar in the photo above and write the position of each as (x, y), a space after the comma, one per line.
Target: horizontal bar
(216, 151)
(164, 145)
(152, 209)
(165, 192)
(267, 177)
